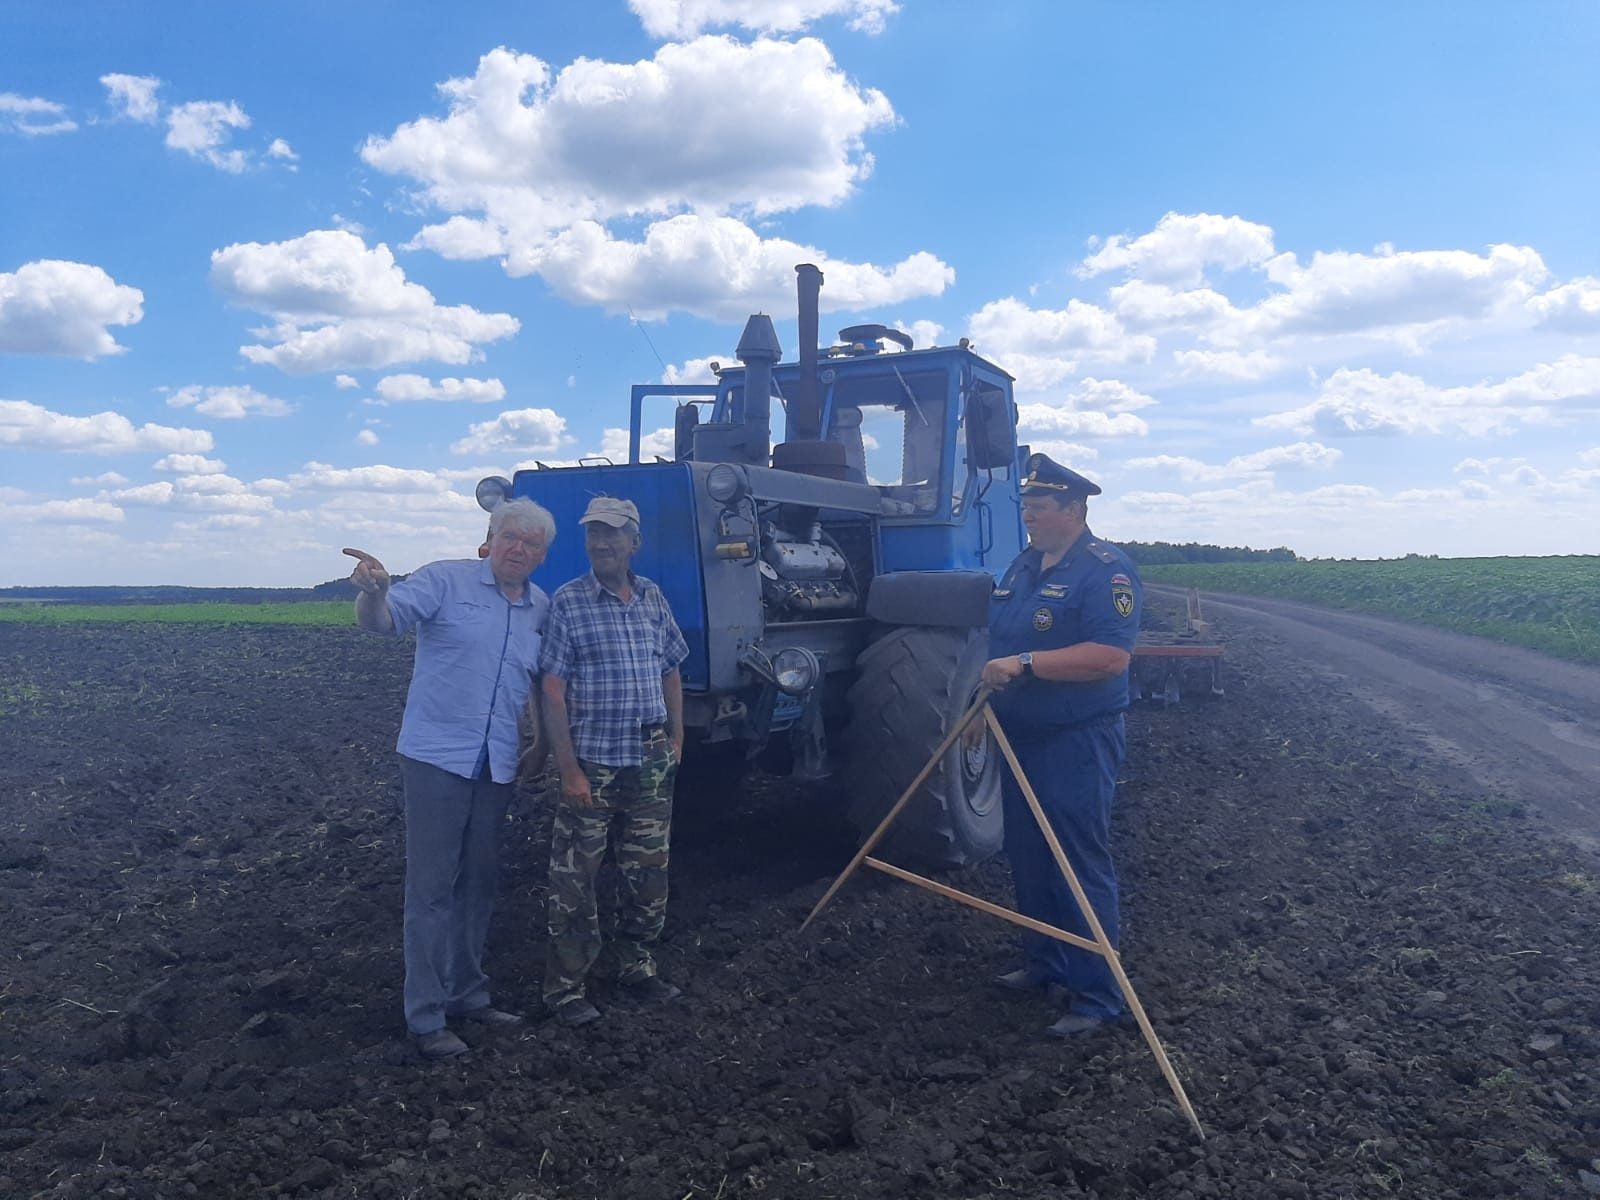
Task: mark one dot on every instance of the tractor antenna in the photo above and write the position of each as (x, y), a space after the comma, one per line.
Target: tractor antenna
(639, 325)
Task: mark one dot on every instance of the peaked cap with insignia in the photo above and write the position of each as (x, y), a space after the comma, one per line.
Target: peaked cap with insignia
(1044, 475)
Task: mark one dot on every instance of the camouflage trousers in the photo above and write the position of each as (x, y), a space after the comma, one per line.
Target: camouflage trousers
(637, 802)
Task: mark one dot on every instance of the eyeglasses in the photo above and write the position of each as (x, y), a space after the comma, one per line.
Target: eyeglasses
(529, 541)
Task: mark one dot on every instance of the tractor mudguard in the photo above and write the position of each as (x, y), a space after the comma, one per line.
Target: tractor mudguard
(954, 598)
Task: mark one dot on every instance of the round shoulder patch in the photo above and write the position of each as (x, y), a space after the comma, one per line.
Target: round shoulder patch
(1043, 619)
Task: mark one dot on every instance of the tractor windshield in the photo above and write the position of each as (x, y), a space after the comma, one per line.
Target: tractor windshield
(893, 431)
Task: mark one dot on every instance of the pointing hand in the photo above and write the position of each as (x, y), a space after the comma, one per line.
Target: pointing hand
(369, 574)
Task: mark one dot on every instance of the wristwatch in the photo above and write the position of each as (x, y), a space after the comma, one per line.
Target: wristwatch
(1025, 659)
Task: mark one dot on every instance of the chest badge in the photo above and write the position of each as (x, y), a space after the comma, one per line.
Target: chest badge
(1043, 619)
(1002, 593)
(1053, 591)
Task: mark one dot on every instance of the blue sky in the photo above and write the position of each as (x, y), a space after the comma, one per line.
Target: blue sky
(276, 279)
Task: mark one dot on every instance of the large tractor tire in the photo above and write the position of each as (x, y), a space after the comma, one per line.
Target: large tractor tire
(913, 685)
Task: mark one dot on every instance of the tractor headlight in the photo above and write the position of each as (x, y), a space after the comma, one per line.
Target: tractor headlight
(795, 670)
(725, 483)
(493, 492)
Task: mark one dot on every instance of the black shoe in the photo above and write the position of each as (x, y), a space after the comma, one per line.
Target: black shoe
(494, 1018)
(441, 1043)
(1076, 1025)
(648, 989)
(575, 1012)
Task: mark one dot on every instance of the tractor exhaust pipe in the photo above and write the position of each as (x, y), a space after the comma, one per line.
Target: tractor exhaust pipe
(758, 349)
(805, 413)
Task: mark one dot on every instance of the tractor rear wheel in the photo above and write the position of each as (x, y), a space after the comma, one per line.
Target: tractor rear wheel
(912, 686)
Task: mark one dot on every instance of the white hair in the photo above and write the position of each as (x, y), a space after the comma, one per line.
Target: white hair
(523, 513)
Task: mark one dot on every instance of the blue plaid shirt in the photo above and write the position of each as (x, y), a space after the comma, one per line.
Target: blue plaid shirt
(611, 656)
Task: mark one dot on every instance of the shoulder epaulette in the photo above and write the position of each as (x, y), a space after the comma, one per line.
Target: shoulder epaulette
(1104, 553)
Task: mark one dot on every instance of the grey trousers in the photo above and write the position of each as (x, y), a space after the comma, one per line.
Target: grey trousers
(452, 865)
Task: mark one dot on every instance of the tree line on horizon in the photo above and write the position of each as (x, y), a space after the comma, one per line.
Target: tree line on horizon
(1154, 554)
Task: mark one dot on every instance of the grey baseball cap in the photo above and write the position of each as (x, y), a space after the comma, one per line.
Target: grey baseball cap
(610, 511)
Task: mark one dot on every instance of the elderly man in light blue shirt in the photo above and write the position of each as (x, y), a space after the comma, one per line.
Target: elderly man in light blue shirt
(479, 624)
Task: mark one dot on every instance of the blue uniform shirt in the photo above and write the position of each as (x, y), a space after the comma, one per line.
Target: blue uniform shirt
(477, 658)
(1092, 595)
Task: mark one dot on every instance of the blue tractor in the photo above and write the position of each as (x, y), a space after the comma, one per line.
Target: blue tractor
(834, 587)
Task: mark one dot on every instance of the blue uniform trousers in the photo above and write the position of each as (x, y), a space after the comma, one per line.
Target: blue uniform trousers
(1074, 775)
(452, 866)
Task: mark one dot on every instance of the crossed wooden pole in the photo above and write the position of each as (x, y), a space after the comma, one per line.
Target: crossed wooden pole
(1101, 945)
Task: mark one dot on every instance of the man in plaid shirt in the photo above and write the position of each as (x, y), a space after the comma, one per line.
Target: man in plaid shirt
(614, 715)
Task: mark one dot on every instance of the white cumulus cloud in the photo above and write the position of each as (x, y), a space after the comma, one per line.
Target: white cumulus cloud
(1301, 456)
(1041, 347)
(26, 424)
(70, 511)
(340, 304)
(189, 464)
(1141, 305)
(202, 129)
(1179, 249)
(532, 165)
(679, 19)
(694, 370)
(1571, 308)
(32, 116)
(232, 402)
(1225, 364)
(519, 431)
(395, 388)
(63, 308)
(719, 268)
(1363, 401)
(133, 96)
(1046, 421)
(376, 478)
(653, 443)
(1402, 296)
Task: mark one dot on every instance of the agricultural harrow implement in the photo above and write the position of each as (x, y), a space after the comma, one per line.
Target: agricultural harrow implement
(1164, 661)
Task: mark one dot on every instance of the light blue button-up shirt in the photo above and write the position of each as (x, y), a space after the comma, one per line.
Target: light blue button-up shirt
(477, 659)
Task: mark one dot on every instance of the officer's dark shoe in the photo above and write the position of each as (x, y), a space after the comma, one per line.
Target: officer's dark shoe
(1077, 1025)
(648, 989)
(493, 1018)
(575, 1012)
(441, 1043)
(1021, 980)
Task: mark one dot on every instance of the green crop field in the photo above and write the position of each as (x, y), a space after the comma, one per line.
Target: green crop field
(311, 612)
(1548, 604)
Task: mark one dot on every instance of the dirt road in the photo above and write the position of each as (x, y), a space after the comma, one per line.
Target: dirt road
(1523, 724)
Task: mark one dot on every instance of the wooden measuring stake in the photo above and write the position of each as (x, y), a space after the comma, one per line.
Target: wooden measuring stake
(1100, 945)
(979, 706)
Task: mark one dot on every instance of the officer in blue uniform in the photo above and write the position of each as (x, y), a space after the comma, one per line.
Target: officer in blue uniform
(1062, 625)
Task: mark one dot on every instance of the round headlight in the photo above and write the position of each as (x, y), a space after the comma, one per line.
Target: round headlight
(796, 670)
(493, 492)
(725, 483)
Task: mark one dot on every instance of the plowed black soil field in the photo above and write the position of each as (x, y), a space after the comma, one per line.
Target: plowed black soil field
(1375, 977)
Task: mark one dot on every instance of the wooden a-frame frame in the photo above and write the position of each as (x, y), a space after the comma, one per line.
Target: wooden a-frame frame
(1100, 945)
